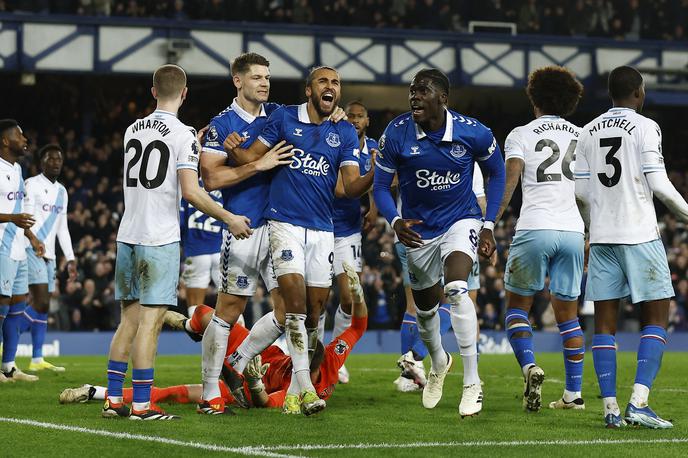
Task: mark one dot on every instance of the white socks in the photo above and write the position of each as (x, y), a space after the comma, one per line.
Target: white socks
(465, 324)
(214, 347)
(429, 330)
(263, 334)
(342, 321)
(611, 406)
(640, 395)
(297, 342)
(570, 396)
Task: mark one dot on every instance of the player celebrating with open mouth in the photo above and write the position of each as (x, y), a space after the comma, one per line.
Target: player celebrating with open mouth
(433, 150)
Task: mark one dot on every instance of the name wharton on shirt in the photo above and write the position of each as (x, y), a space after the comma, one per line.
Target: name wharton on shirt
(308, 164)
(435, 181)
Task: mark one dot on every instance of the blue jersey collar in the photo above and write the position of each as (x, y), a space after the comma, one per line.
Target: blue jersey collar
(448, 129)
(245, 115)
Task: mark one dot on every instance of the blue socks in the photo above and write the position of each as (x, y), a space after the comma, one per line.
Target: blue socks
(38, 324)
(410, 338)
(650, 351)
(116, 371)
(604, 358)
(516, 321)
(142, 381)
(10, 329)
(4, 309)
(445, 319)
(573, 354)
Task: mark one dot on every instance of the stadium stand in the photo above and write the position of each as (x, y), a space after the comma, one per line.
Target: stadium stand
(617, 19)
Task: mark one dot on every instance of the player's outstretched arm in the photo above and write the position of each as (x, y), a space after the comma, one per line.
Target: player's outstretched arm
(23, 220)
(666, 192)
(192, 192)
(240, 155)
(514, 168)
(354, 184)
(217, 174)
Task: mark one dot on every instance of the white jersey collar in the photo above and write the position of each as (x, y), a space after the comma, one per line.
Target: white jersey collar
(448, 128)
(245, 115)
(9, 164)
(168, 113)
(365, 146)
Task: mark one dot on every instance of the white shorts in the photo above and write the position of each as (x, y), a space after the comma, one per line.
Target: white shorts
(347, 250)
(241, 261)
(199, 270)
(426, 264)
(297, 250)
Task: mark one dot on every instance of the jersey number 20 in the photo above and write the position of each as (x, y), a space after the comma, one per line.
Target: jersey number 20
(139, 152)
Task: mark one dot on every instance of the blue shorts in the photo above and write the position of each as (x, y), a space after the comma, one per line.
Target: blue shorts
(474, 277)
(149, 274)
(41, 270)
(401, 254)
(640, 271)
(534, 254)
(14, 277)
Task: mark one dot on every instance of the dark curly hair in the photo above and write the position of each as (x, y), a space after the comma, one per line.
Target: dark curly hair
(554, 90)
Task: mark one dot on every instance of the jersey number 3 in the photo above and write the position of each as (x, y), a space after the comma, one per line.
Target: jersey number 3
(614, 145)
(139, 152)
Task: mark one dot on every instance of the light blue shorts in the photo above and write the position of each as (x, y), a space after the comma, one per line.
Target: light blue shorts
(401, 254)
(149, 274)
(474, 277)
(640, 271)
(534, 254)
(14, 277)
(41, 270)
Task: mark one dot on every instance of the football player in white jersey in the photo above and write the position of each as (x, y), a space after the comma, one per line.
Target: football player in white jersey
(549, 238)
(47, 201)
(13, 268)
(619, 167)
(160, 158)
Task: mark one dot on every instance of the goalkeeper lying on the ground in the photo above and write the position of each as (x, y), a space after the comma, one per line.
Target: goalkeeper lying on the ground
(267, 377)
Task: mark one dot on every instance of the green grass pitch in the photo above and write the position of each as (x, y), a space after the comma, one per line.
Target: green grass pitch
(367, 417)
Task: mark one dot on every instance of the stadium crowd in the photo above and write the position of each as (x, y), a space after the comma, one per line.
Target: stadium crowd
(92, 176)
(617, 19)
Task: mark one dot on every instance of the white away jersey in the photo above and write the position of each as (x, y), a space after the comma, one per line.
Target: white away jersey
(155, 148)
(12, 200)
(615, 151)
(47, 202)
(547, 146)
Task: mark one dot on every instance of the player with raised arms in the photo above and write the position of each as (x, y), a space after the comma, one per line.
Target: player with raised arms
(433, 150)
(348, 222)
(161, 157)
(300, 214)
(47, 201)
(619, 167)
(15, 223)
(549, 232)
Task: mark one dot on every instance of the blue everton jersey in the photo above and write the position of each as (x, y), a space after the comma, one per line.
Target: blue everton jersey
(249, 197)
(200, 233)
(302, 193)
(435, 169)
(347, 212)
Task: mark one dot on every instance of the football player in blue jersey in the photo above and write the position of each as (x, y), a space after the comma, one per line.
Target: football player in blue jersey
(245, 188)
(201, 240)
(433, 150)
(300, 213)
(348, 222)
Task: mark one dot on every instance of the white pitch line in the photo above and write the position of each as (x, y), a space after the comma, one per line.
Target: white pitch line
(476, 444)
(247, 450)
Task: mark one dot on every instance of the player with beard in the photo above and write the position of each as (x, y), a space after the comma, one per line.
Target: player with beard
(14, 277)
(433, 150)
(300, 214)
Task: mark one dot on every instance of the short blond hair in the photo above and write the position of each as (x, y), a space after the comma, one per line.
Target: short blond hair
(169, 81)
